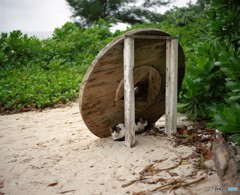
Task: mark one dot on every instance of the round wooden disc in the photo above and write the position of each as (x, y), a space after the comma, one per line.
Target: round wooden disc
(101, 93)
(147, 84)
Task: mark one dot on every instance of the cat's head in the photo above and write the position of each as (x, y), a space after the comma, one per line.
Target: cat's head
(116, 132)
(115, 129)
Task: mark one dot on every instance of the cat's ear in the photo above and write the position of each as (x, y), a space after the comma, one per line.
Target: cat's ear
(111, 130)
(141, 120)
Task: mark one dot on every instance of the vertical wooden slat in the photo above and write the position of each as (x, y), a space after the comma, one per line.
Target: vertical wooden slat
(171, 85)
(129, 98)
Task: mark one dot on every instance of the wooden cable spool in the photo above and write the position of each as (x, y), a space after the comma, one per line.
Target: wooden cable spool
(101, 98)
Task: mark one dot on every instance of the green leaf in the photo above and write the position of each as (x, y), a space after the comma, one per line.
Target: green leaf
(235, 138)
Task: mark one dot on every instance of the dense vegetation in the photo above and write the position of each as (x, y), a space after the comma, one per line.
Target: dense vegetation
(38, 73)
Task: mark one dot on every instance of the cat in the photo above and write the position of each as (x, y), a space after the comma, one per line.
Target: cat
(118, 132)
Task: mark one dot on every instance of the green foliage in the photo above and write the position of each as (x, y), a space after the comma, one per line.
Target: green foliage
(204, 83)
(17, 49)
(212, 75)
(235, 138)
(211, 86)
(37, 74)
(227, 119)
(225, 17)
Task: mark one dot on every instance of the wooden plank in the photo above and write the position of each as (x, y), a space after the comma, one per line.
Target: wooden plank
(99, 89)
(129, 99)
(140, 74)
(100, 108)
(141, 43)
(98, 74)
(171, 85)
(154, 84)
(101, 115)
(150, 37)
(91, 101)
(151, 51)
(151, 114)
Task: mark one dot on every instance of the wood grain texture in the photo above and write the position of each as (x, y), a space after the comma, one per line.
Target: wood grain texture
(171, 85)
(129, 98)
(98, 90)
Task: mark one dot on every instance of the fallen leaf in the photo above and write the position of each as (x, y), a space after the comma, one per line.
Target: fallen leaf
(183, 131)
(172, 174)
(26, 109)
(208, 154)
(53, 184)
(1, 183)
(184, 162)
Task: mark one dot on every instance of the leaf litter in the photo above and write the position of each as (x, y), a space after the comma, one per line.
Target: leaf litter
(1, 186)
(1, 183)
(198, 137)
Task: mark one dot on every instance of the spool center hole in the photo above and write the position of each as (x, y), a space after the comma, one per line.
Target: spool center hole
(141, 91)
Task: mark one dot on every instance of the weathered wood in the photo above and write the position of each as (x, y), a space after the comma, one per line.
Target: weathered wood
(147, 80)
(154, 80)
(129, 99)
(171, 85)
(149, 53)
(100, 83)
(150, 37)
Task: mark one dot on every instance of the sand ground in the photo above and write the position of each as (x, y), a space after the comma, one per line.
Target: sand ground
(53, 152)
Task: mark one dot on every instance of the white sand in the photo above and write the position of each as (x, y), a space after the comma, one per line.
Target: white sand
(55, 146)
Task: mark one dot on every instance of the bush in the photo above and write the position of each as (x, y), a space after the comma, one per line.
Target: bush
(37, 74)
(213, 71)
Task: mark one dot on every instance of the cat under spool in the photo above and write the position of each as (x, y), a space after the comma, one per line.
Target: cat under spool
(118, 132)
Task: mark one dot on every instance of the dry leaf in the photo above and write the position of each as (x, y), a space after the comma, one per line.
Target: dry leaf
(53, 184)
(172, 174)
(1, 183)
(208, 154)
(185, 162)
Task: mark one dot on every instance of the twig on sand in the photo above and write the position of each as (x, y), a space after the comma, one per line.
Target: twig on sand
(65, 192)
(174, 184)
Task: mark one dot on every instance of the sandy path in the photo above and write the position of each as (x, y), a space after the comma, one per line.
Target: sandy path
(55, 147)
